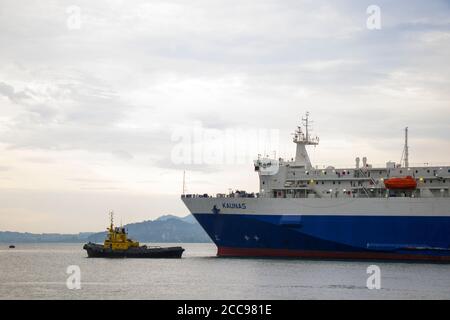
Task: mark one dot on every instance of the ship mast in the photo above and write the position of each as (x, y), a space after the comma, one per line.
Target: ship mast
(405, 154)
(302, 140)
(406, 148)
(305, 121)
(111, 218)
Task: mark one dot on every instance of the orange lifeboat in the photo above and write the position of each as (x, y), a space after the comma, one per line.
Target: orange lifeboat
(408, 183)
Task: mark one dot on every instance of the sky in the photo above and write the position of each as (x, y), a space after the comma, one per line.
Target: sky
(104, 104)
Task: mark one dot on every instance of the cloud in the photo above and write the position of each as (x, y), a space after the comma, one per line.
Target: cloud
(122, 155)
(9, 92)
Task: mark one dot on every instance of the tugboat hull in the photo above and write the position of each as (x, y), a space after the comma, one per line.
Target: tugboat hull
(99, 251)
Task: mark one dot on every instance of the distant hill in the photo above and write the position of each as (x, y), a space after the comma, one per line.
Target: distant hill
(189, 218)
(166, 228)
(22, 237)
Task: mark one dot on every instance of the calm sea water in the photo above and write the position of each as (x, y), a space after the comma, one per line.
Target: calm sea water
(38, 271)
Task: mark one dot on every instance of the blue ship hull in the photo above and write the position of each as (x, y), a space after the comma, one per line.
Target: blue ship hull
(421, 238)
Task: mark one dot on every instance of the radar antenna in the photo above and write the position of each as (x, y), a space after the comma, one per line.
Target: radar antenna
(305, 137)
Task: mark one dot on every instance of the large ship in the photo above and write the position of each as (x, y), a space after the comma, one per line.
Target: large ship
(393, 212)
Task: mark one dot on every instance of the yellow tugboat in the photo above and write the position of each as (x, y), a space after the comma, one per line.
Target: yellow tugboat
(118, 245)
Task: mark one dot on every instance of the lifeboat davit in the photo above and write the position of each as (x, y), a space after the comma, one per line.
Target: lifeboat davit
(408, 183)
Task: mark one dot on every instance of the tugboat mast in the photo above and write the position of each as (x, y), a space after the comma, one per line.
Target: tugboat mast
(111, 218)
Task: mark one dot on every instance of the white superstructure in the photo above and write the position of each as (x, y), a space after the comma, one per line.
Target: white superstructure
(299, 179)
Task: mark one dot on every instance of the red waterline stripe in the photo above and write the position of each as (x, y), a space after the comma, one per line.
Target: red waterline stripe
(286, 253)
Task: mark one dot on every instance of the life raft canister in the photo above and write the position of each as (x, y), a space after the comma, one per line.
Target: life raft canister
(407, 182)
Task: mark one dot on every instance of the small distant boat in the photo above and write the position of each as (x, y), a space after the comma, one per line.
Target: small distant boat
(118, 245)
(12, 246)
(407, 183)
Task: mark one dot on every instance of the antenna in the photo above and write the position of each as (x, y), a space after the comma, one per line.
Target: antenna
(111, 217)
(305, 138)
(306, 123)
(184, 182)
